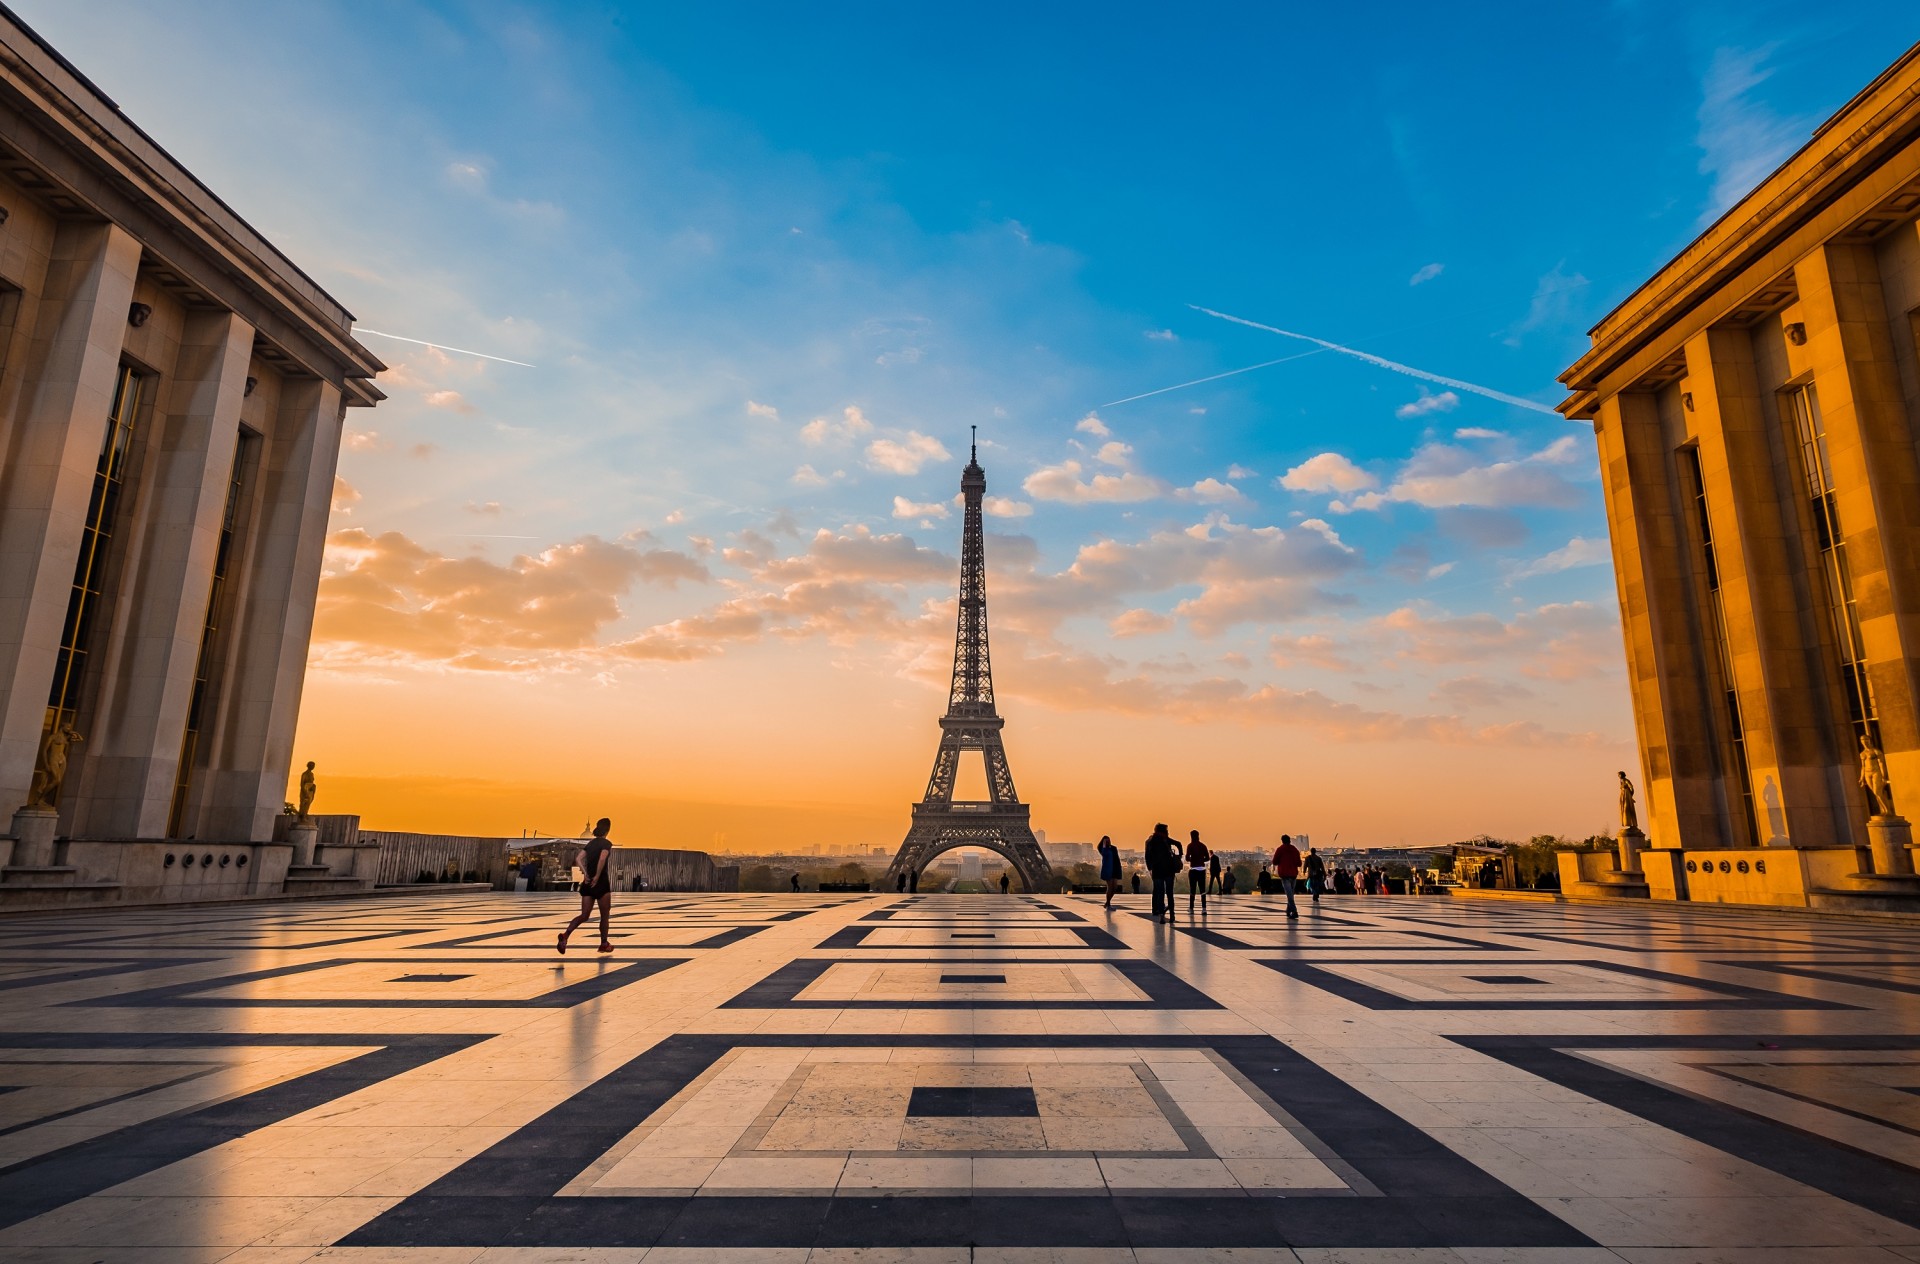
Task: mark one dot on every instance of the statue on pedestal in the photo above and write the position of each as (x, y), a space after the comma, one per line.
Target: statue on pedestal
(51, 768)
(1629, 818)
(308, 788)
(1873, 778)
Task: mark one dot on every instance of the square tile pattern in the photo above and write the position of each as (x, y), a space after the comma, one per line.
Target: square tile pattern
(799, 1079)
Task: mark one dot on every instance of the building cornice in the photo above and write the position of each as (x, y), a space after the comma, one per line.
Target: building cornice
(134, 182)
(1845, 152)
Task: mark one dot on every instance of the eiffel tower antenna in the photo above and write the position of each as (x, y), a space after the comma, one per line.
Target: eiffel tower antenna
(1001, 823)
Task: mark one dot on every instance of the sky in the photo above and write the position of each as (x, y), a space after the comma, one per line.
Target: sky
(691, 563)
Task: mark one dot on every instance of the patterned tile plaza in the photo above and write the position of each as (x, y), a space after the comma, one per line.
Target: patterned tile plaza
(807, 1079)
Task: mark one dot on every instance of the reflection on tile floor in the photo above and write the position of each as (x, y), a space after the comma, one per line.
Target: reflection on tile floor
(946, 1079)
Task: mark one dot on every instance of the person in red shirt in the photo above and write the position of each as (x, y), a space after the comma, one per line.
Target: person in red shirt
(1286, 863)
(1197, 855)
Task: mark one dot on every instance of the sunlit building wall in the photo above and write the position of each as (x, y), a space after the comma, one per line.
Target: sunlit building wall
(171, 396)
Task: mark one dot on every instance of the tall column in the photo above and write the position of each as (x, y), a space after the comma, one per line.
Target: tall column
(1787, 718)
(1876, 473)
(253, 745)
(147, 673)
(44, 490)
(1665, 666)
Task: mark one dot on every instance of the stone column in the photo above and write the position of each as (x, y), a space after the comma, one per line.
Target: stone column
(253, 747)
(1665, 666)
(80, 326)
(146, 676)
(1876, 472)
(1785, 713)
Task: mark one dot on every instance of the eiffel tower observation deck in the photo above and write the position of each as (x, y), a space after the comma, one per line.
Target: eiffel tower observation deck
(1000, 823)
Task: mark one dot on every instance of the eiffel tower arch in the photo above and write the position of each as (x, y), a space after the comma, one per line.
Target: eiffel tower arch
(1000, 823)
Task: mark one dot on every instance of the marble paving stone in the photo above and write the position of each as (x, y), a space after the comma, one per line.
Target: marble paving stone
(772, 1079)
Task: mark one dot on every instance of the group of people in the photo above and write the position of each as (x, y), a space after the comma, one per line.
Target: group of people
(1166, 859)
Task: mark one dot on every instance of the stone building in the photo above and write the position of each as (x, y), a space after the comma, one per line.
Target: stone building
(172, 390)
(1757, 407)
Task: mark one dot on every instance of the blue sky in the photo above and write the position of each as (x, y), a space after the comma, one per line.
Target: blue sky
(772, 261)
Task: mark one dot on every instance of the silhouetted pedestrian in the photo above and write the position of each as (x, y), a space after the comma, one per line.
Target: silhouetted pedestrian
(596, 886)
(1213, 873)
(1136, 881)
(1109, 868)
(1006, 882)
(1316, 874)
(1286, 863)
(1163, 862)
(1197, 857)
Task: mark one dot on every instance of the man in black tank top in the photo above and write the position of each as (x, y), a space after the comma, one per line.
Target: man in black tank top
(596, 885)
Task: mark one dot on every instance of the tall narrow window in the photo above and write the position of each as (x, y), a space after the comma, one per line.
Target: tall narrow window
(1723, 649)
(90, 570)
(1842, 610)
(209, 637)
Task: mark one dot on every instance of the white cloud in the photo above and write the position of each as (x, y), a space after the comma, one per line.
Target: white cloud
(904, 508)
(1091, 424)
(1478, 432)
(906, 455)
(1328, 472)
(344, 496)
(1115, 453)
(1211, 491)
(1240, 471)
(1577, 552)
(1426, 274)
(807, 476)
(1163, 335)
(1005, 507)
(1444, 402)
(763, 410)
(1140, 622)
(1741, 140)
(852, 425)
(1439, 476)
(1063, 483)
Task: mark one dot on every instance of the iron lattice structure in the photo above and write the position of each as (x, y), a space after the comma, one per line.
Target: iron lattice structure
(1001, 823)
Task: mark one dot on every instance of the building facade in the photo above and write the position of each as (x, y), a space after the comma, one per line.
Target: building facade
(1757, 409)
(172, 390)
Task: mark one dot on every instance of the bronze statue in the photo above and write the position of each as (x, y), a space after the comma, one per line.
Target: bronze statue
(308, 789)
(51, 769)
(1873, 777)
(1629, 818)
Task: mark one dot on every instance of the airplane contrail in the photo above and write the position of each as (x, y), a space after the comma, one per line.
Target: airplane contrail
(441, 346)
(1215, 378)
(1394, 365)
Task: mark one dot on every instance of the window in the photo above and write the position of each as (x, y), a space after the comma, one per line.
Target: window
(1842, 611)
(89, 571)
(198, 704)
(1723, 650)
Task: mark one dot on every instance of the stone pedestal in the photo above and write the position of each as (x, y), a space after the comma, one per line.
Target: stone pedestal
(33, 837)
(1888, 837)
(1632, 843)
(304, 838)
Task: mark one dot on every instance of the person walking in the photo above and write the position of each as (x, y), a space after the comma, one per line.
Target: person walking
(596, 886)
(1197, 857)
(1163, 862)
(1006, 882)
(1316, 875)
(1134, 878)
(1286, 863)
(1109, 868)
(1213, 873)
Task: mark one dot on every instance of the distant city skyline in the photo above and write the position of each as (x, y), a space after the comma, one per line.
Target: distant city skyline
(683, 551)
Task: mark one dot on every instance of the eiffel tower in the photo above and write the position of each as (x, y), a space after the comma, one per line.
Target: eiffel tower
(1001, 823)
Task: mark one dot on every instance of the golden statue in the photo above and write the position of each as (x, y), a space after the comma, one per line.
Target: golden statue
(1873, 778)
(308, 788)
(1629, 818)
(51, 769)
